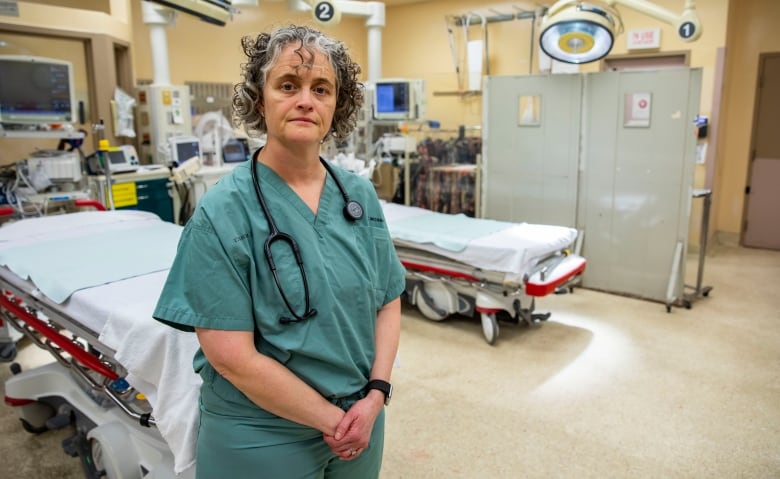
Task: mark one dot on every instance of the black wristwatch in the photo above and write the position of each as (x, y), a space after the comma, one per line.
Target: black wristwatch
(383, 386)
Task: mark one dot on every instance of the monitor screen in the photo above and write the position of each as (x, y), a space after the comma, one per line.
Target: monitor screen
(392, 98)
(184, 149)
(35, 90)
(235, 150)
(116, 157)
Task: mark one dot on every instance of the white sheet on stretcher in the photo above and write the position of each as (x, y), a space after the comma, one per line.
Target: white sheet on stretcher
(510, 248)
(92, 250)
(158, 358)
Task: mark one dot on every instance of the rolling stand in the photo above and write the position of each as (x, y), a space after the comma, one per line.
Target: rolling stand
(700, 291)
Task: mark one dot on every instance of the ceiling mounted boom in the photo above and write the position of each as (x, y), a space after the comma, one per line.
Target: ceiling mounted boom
(575, 31)
(216, 12)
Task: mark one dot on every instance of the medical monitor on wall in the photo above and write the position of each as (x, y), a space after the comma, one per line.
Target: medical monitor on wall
(398, 99)
(184, 148)
(36, 90)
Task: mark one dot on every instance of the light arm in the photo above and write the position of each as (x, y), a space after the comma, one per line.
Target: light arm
(688, 25)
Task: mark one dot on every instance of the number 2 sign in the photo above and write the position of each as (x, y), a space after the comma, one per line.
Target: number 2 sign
(325, 12)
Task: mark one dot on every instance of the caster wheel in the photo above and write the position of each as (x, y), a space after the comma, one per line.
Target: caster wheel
(434, 300)
(668, 308)
(32, 429)
(490, 327)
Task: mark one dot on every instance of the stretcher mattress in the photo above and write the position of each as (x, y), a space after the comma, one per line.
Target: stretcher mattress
(513, 249)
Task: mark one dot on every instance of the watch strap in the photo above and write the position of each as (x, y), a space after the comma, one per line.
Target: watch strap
(385, 387)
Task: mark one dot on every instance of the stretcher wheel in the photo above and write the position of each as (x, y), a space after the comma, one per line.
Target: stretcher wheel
(35, 415)
(490, 327)
(111, 452)
(435, 300)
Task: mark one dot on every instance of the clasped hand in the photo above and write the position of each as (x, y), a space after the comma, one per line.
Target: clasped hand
(353, 432)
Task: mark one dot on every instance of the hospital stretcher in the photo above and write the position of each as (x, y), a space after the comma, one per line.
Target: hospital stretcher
(461, 265)
(121, 378)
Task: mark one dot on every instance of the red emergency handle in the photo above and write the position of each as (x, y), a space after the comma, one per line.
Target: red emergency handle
(90, 202)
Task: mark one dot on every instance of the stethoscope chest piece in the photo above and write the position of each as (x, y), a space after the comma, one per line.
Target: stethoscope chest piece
(353, 210)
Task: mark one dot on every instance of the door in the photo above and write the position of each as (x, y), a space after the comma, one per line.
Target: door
(531, 132)
(637, 181)
(762, 216)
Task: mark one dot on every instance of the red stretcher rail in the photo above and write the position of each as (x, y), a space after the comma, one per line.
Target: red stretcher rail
(438, 270)
(87, 359)
(82, 203)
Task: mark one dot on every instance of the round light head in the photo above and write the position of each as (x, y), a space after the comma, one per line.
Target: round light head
(578, 35)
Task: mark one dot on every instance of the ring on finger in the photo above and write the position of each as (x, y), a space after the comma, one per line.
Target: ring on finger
(352, 452)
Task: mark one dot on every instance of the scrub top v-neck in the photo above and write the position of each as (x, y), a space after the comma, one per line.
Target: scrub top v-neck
(221, 280)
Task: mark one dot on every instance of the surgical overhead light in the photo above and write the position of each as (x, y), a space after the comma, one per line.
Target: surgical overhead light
(581, 32)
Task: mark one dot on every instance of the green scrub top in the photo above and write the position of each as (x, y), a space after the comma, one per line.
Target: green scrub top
(220, 278)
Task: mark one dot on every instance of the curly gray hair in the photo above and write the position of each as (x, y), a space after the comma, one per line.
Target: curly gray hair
(263, 51)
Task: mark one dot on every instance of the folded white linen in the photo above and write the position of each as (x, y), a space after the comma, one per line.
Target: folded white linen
(158, 360)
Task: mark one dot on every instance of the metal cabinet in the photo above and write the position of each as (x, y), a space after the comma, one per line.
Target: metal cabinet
(143, 190)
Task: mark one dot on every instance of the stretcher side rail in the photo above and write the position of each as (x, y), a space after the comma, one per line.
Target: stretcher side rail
(18, 310)
(420, 260)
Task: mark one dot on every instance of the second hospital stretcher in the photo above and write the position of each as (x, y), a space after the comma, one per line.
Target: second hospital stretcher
(83, 286)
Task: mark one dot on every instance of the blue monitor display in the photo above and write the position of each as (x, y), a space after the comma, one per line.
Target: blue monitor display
(392, 98)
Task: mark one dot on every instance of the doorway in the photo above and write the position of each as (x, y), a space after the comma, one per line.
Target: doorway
(762, 216)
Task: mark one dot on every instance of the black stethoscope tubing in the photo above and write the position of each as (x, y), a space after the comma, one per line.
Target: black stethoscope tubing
(353, 211)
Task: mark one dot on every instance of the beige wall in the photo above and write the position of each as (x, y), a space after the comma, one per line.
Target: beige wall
(753, 29)
(117, 24)
(416, 45)
(198, 51)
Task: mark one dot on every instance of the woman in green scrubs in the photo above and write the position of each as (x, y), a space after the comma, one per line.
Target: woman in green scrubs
(295, 355)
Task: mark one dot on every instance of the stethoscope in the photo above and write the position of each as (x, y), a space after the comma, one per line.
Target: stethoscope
(353, 211)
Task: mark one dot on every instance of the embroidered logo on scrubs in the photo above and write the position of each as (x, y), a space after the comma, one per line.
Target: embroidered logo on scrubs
(241, 237)
(377, 219)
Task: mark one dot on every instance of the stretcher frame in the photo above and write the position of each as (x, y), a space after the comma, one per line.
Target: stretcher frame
(440, 287)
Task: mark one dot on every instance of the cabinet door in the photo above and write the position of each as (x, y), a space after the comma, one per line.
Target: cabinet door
(153, 196)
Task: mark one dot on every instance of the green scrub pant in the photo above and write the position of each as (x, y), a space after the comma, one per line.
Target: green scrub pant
(267, 446)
